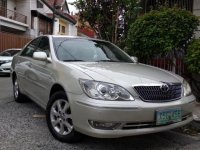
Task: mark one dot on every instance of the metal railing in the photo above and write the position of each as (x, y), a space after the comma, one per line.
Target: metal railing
(13, 15)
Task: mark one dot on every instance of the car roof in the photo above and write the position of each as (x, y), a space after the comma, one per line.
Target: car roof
(75, 37)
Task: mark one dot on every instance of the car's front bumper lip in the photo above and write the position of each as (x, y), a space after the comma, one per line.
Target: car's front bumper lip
(140, 131)
(83, 111)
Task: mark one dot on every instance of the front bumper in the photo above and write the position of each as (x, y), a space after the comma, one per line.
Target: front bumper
(135, 117)
(5, 70)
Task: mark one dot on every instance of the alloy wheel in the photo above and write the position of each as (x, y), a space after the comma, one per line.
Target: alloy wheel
(60, 117)
(16, 89)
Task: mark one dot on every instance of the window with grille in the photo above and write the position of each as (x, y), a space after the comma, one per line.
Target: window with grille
(3, 7)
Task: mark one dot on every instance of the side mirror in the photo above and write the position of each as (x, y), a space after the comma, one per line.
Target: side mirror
(40, 56)
(135, 59)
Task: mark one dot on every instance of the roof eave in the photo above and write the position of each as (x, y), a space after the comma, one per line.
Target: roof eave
(73, 21)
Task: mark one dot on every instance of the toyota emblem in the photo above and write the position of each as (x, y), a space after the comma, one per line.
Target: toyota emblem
(164, 88)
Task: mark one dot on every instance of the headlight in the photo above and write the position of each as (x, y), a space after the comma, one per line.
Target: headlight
(105, 91)
(7, 61)
(186, 88)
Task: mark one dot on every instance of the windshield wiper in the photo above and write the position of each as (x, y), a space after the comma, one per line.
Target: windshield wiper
(107, 60)
(72, 60)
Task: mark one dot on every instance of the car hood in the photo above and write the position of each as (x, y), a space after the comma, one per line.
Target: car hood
(121, 73)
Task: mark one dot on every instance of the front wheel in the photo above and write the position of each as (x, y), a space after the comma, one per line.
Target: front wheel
(59, 118)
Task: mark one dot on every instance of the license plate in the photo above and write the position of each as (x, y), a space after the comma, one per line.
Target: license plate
(168, 116)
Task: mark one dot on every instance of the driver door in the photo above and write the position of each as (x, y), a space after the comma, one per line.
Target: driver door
(41, 74)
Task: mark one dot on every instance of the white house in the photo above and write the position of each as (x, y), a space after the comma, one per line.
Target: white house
(34, 18)
(63, 24)
(12, 17)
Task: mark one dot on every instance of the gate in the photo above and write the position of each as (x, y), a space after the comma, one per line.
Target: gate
(9, 40)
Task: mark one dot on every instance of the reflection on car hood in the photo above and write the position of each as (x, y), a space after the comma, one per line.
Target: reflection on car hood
(126, 72)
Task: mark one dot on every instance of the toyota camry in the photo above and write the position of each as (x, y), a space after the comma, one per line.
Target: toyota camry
(92, 87)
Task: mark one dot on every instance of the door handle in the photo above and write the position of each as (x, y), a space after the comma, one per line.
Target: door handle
(29, 65)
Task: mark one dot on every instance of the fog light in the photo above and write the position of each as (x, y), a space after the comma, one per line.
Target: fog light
(104, 125)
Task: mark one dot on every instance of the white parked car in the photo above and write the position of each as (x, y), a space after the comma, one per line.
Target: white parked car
(92, 87)
(6, 60)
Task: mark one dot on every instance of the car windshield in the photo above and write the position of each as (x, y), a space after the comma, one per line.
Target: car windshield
(88, 50)
(9, 53)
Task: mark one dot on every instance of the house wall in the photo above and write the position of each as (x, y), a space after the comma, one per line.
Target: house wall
(23, 7)
(33, 6)
(72, 30)
(35, 30)
(56, 27)
(196, 11)
(11, 4)
(196, 8)
(66, 25)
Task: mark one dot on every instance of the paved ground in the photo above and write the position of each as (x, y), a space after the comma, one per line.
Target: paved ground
(19, 130)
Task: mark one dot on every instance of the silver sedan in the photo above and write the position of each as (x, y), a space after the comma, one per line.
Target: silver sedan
(6, 59)
(90, 86)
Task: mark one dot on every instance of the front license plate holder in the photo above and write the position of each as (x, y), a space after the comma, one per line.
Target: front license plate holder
(168, 116)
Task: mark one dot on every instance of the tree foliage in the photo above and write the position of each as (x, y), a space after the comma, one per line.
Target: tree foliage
(160, 32)
(103, 16)
(193, 57)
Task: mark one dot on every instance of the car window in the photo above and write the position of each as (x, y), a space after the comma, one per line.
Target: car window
(44, 46)
(9, 53)
(30, 48)
(5, 54)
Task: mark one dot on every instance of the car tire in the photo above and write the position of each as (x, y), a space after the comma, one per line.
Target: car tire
(59, 120)
(18, 96)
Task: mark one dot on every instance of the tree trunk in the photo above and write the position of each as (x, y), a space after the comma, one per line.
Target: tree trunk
(174, 61)
(174, 65)
(116, 26)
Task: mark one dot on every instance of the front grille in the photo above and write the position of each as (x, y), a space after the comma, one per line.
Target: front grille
(158, 93)
(142, 125)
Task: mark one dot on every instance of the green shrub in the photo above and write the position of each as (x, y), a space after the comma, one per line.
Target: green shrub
(193, 57)
(160, 32)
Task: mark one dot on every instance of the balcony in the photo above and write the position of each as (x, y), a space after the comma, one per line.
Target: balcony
(12, 21)
(13, 15)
